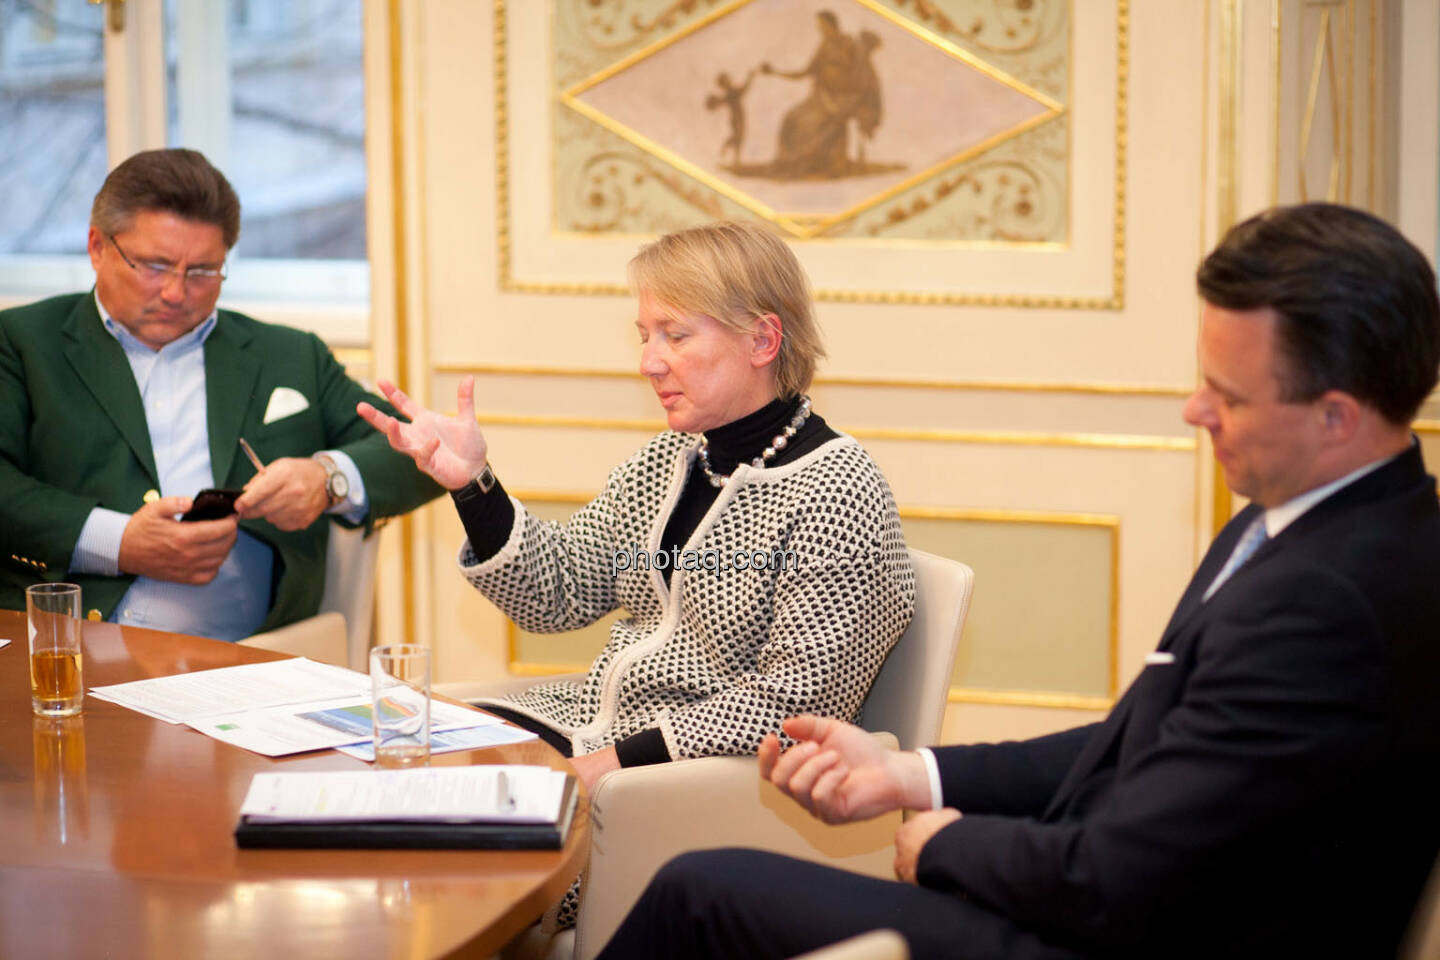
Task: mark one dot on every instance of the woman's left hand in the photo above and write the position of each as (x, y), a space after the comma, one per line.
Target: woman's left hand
(593, 766)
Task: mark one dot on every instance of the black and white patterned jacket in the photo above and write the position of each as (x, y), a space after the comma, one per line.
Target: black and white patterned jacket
(716, 659)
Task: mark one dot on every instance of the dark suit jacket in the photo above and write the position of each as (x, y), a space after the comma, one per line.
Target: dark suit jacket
(73, 436)
(1270, 792)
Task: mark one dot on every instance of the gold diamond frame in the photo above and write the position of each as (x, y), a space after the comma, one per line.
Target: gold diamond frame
(1115, 301)
(799, 225)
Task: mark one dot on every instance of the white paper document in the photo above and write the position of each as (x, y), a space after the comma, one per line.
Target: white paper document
(190, 697)
(498, 793)
(472, 738)
(292, 728)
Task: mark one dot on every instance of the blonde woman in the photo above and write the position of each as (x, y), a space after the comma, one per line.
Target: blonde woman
(756, 552)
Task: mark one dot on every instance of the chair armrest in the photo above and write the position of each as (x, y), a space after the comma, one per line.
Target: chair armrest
(634, 830)
(470, 690)
(322, 637)
(875, 945)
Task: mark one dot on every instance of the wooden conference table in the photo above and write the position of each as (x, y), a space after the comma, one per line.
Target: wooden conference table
(116, 837)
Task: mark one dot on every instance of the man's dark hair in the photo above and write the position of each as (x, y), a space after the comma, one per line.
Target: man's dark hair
(1357, 303)
(175, 180)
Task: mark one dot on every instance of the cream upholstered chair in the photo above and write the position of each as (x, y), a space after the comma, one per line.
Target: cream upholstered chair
(875, 945)
(1422, 942)
(634, 829)
(340, 632)
(321, 637)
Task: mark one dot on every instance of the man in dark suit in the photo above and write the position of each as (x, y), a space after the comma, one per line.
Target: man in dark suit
(118, 405)
(1265, 786)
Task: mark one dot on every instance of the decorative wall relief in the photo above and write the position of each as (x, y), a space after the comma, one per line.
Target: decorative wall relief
(931, 120)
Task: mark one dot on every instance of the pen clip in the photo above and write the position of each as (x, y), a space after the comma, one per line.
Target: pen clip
(504, 799)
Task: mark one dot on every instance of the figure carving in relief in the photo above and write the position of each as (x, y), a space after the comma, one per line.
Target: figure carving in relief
(814, 139)
(731, 98)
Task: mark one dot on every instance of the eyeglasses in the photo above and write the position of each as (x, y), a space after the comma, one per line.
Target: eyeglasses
(152, 271)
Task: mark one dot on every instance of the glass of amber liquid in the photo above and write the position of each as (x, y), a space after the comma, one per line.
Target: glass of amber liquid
(56, 688)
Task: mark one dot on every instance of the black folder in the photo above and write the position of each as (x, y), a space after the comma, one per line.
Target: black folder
(253, 832)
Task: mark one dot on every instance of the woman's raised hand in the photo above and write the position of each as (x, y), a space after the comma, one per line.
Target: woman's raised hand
(451, 450)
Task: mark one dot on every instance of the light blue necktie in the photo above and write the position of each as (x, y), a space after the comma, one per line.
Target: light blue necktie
(1254, 537)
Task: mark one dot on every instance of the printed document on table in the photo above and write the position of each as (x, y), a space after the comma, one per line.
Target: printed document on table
(190, 697)
(278, 731)
(493, 793)
(471, 738)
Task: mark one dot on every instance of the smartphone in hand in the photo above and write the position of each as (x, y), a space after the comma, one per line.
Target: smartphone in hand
(212, 505)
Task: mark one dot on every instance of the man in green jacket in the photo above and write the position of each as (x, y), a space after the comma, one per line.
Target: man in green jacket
(119, 405)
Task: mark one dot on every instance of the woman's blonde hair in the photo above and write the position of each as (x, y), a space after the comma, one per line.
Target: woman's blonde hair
(736, 273)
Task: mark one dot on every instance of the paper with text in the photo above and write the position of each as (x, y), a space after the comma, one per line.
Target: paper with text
(188, 697)
(480, 794)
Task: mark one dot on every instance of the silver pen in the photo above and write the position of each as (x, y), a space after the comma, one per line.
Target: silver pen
(250, 452)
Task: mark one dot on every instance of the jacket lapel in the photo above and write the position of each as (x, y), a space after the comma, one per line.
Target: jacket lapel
(100, 362)
(1190, 605)
(230, 375)
(1191, 601)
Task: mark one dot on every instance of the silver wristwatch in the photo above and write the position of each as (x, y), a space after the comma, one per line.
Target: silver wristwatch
(337, 485)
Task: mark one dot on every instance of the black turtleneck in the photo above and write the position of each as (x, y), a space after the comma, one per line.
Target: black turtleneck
(737, 442)
(488, 518)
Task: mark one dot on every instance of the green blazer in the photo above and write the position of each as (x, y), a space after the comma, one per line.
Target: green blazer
(73, 437)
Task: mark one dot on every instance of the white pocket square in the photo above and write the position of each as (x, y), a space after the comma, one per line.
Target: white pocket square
(284, 402)
(1159, 658)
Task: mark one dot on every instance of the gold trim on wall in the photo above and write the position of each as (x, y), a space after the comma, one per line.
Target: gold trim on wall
(402, 319)
(1043, 698)
(979, 386)
(353, 356)
(1371, 110)
(1227, 186)
(1115, 301)
(1276, 17)
(1227, 174)
(1025, 698)
(1105, 441)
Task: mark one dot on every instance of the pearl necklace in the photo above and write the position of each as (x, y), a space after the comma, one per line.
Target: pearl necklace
(777, 443)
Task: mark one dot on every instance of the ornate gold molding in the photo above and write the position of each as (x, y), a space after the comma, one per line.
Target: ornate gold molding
(354, 356)
(509, 283)
(1025, 698)
(1041, 698)
(1227, 183)
(917, 383)
(401, 273)
(806, 227)
(1276, 18)
(1104, 441)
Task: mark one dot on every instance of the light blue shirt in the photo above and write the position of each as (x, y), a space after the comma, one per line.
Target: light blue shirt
(171, 381)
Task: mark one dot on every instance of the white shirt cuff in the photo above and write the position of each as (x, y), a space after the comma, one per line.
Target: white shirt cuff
(356, 503)
(98, 548)
(932, 770)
